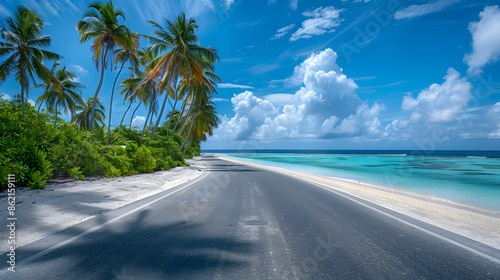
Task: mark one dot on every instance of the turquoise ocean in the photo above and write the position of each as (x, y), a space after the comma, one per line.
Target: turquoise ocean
(466, 177)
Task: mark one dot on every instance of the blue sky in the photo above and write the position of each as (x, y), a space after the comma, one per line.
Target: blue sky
(347, 74)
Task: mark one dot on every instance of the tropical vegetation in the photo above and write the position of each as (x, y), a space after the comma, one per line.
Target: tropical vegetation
(172, 77)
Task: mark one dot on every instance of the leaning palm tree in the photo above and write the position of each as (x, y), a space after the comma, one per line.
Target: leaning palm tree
(203, 120)
(180, 56)
(101, 24)
(83, 118)
(23, 41)
(123, 55)
(200, 93)
(65, 94)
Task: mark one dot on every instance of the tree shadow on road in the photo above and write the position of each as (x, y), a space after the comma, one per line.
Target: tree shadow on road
(145, 247)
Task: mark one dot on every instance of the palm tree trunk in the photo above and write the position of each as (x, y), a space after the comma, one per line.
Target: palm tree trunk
(159, 117)
(111, 103)
(150, 112)
(189, 132)
(146, 124)
(170, 78)
(182, 113)
(133, 113)
(172, 114)
(39, 107)
(126, 111)
(22, 101)
(55, 119)
(94, 102)
(186, 120)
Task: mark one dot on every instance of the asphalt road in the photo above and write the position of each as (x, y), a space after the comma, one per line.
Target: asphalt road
(238, 222)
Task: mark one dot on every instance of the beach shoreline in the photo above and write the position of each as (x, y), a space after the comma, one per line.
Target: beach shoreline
(478, 224)
(41, 213)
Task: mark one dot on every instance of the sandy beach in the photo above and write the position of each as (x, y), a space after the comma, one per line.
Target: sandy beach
(43, 212)
(481, 225)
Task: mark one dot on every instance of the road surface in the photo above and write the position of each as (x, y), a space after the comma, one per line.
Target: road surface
(240, 222)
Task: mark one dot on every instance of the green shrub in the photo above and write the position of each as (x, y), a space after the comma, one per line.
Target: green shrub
(23, 144)
(76, 173)
(31, 149)
(141, 158)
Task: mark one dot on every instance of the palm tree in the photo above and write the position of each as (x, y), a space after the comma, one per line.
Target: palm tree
(83, 118)
(101, 23)
(180, 56)
(203, 120)
(23, 40)
(66, 93)
(201, 93)
(123, 55)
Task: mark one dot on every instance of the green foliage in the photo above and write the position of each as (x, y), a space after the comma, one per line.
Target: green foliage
(23, 150)
(141, 158)
(76, 173)
(31, 149)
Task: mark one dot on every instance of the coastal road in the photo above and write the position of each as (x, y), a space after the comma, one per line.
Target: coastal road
(240, 222)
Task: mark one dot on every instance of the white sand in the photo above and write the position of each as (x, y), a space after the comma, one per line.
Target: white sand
(477, 224)
(43, 212)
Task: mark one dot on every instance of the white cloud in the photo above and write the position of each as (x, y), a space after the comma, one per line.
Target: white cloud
(61, 8)
(494, 116)
(280, 99)
(158, 9)
(322, 20)
(484, 124)
(139, 121)
(326, 106)
(218, 99)
(294, 4)
(229, 85)
(228, 3)
(440, 103)
(282, 31)
(485, 40)
(414, 11)
(440, 108)
(78, 70)
(5, 96)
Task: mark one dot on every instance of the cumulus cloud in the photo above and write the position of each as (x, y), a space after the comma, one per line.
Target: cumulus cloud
(79, 70)
(282, 31)
(493, 116)
(322, 20)
(440, 103)
(436, 108)
(229, 85)
(485, 40)
(326, 106)
(139, 121)
(414, 11)
(5, 96)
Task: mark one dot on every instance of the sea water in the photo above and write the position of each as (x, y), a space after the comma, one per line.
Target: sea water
(471, 178)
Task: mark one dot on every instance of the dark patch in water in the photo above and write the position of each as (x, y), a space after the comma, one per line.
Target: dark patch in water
(375, 165)
(478, 173)
(488, 166)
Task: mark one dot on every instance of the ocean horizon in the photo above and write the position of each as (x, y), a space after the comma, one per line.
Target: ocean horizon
(469, 177)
